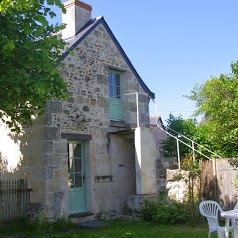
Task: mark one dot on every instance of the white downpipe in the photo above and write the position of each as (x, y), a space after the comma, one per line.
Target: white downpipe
(193, 151)
(178, 153)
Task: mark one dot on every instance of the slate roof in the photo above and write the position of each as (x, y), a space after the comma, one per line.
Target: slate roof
(87, 29)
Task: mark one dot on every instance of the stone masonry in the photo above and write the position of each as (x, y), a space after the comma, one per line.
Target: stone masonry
(87, 112)
(40, 154)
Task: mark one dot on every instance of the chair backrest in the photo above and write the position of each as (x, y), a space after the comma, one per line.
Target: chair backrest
(210, 210)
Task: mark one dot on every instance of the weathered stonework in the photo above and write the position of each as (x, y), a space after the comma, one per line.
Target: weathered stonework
(54, 107)
(110, 175)
(87, 112)
(135, 202)
(177, 189)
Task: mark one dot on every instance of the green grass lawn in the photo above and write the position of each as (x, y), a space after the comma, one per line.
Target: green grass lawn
(111, 229)
(135, 229)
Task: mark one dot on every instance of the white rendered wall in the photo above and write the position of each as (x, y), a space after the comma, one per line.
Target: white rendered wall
(145, 161)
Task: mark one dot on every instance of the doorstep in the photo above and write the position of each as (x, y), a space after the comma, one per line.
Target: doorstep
(81, 217)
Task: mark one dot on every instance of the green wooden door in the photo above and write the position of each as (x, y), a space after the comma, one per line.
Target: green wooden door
(115, 96)
(76, 175)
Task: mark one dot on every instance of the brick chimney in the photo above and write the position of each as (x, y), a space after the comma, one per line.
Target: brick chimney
(77, 15)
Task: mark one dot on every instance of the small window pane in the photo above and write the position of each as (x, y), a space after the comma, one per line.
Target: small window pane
(118, 93)
(71, 181)
(114, 79)
(114, 92)
(117, 80)
(78, 165)
(77, 150)
(70, 166)
(78, 181)
(110, 91)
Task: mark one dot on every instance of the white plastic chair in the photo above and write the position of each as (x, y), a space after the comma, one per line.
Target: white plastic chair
(210, 210)
(234, 223)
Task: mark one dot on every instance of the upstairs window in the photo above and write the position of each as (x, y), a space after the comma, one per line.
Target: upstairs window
(115, 95)
(114, 85)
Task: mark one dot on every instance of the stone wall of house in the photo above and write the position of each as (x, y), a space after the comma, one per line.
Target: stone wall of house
(40, 153)
(111, 195)
(22, 157)
(87, 112)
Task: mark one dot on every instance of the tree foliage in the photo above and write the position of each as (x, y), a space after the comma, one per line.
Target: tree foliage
(29, 51)
(178, 126)
(217, 101)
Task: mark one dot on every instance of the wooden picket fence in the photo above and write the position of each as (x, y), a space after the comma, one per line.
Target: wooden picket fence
(14, 199)
(225, 172)
(217, 182)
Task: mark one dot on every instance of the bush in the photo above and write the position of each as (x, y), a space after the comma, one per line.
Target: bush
(165, 212)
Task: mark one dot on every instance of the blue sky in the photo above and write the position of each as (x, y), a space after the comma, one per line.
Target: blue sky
(173, 44)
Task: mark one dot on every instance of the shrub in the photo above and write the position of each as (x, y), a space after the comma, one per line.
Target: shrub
(165, 212)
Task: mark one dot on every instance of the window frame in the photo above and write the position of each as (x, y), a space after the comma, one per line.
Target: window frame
(115, 86)
(116, 101)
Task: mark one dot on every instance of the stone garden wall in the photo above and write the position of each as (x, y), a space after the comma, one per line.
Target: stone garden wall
(176, 187)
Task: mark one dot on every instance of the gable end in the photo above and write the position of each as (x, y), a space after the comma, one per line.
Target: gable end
(91, 25)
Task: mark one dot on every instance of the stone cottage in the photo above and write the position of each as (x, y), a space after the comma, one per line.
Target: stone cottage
(93, 151)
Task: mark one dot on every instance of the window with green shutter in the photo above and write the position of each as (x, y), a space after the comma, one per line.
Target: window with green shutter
(115, 95)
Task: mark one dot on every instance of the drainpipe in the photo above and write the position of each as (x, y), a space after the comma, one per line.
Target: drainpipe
(178, 153)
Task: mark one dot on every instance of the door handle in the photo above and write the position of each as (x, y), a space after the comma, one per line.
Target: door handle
(83, 177)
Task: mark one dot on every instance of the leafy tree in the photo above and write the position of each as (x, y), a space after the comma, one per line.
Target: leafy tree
(177, 126)
(217, 100)
(29, 51)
